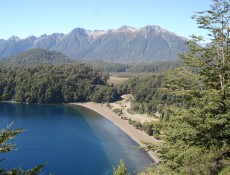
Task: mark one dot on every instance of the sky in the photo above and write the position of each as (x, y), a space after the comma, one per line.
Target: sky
(24, 18)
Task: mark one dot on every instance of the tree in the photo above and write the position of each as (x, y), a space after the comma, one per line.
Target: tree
(196, 129)
(121, 169)
(103, 93)
(54, 84)
(6, 135)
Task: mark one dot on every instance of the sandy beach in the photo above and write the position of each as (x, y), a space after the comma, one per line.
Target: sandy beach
(136, 134)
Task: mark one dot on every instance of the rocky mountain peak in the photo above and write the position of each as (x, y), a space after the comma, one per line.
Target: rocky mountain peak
(126, 28)
(13, 38)
(78, 31)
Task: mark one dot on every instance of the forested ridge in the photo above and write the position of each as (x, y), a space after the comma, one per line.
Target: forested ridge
(35, 57)
(55, 84)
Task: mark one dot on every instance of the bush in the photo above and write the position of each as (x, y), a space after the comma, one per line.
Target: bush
(148, 128)
(121, 169)
(118, 111)
(136, 124)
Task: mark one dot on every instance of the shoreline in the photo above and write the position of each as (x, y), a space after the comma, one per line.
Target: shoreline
(135, 134)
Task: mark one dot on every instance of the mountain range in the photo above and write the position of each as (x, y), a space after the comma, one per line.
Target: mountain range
(126, 44)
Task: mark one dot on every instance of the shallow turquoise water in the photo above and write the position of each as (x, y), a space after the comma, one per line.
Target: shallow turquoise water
(73, 140)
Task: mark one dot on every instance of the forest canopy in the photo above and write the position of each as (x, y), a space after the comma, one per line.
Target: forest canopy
(55, 84)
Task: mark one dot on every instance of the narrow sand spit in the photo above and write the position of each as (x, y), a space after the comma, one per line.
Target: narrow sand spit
(136, 134)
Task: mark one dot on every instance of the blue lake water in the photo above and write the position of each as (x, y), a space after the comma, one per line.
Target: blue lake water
(73, 140)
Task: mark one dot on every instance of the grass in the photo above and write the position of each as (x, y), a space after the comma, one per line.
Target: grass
(116, 80)
(129, 74)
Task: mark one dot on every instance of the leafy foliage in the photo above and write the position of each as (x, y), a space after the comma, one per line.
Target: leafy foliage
(54, 84)
(147, 97)
(195, 123)
(197, 137)
(103, 94)
(121, 169)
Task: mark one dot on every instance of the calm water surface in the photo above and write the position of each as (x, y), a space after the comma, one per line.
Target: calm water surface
(73, 140)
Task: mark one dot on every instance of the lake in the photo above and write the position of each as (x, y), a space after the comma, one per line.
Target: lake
(72, 140)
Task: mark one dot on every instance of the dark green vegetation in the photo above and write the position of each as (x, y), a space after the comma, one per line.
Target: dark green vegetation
(6, 135)
(144, 67)
(124, 45)
(121, 169)
(55, 84)
(195, 128)
(147, 127)
(35, 57)
(147, 96)
(153, 67)
(197, 138)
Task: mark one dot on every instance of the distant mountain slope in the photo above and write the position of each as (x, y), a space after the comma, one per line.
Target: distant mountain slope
(37, 57)
(126, 44)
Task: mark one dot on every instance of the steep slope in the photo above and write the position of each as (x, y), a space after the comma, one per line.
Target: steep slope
(47, 41)
(126, 44)
(15, 45)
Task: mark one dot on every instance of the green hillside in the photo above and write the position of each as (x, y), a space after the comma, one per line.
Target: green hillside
(37, 57)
